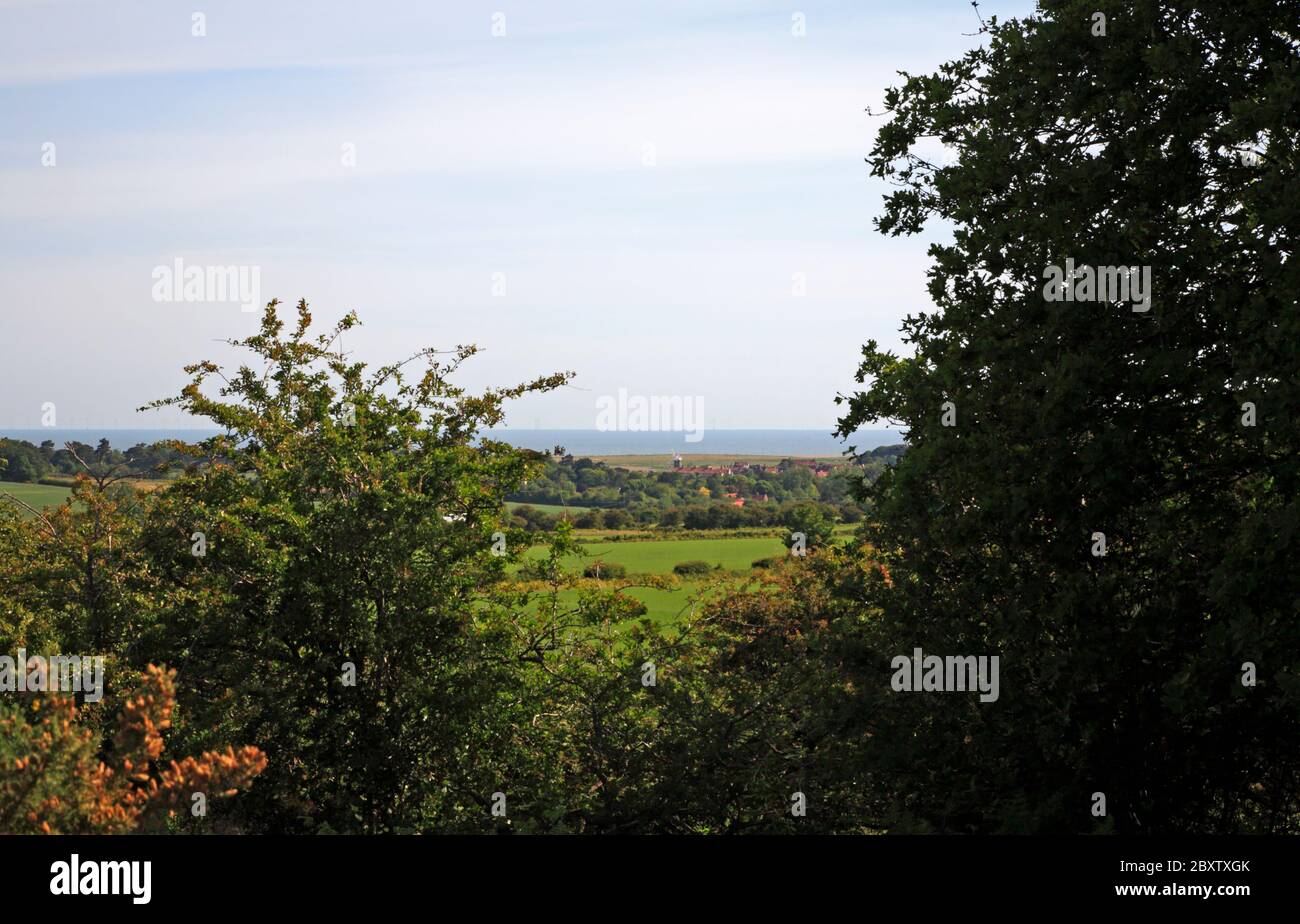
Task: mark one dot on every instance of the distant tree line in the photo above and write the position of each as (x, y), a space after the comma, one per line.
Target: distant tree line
(697, 516)
(619, 498)
(23, 461)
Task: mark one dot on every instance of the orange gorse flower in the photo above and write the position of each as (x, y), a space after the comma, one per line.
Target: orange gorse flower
(59, 785)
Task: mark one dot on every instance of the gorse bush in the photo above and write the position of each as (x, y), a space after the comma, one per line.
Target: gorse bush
(52, 780)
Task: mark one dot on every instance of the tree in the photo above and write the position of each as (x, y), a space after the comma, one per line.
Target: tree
(670, 518)
(807, 526)
(21, 462)
(75, 575)
(347, 521)
(618, 518)
(1102, 495)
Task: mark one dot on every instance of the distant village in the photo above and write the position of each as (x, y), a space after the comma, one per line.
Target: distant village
(819, 470)
(750, 491)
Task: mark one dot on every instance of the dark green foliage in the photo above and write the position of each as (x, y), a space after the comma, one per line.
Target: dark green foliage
(33, 463)
(809, 527)
(348, 539)
(588, 483)
(20, 461)
(1121, 674)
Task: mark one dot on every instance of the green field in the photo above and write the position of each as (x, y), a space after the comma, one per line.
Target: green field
(659, 556)
(644, 557)
(38, 496)
(662, 606)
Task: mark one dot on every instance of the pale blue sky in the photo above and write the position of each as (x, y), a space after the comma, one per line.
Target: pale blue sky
(521, 154)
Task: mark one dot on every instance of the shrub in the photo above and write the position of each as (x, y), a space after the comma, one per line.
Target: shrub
(604, 569)
(692, 568)
(54, 780)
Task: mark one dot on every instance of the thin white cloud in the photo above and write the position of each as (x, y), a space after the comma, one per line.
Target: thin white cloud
(472, 157)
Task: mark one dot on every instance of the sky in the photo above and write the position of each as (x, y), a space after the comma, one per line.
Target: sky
(634, 191)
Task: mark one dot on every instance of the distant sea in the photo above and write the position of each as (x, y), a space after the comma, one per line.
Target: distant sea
(577, 442)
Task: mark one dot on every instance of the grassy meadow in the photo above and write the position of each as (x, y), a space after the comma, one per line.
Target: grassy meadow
(657, 556)
(646, 556)
(37, 496)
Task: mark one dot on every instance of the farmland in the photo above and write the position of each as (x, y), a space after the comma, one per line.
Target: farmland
(641, 552)
(37, 496)
(663, 462)
(657, 556)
